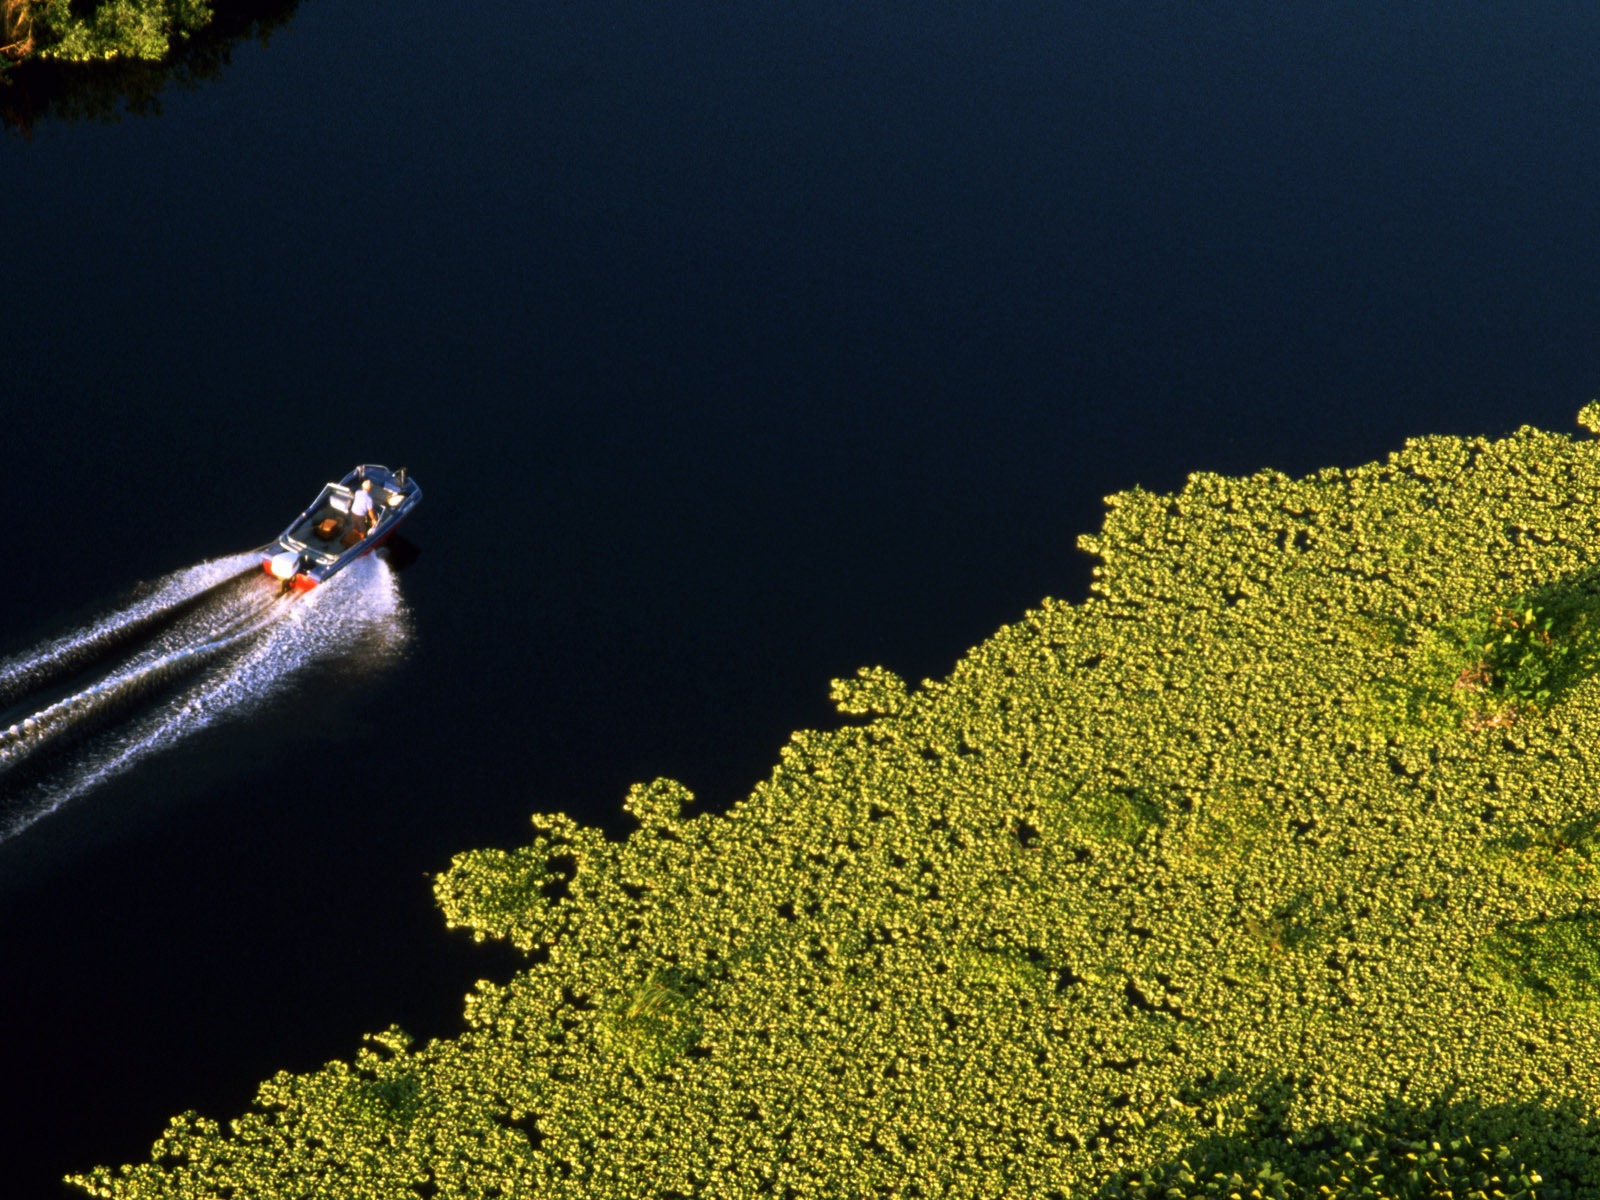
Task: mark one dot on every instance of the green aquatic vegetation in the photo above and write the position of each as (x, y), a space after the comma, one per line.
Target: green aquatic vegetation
(1532, 650)
(1562, 857)
(1553, 959)
(1394, 1156)
(1268, 868)
(874, 690)
(1119, 813)
(1488, 668)
(655, 1022)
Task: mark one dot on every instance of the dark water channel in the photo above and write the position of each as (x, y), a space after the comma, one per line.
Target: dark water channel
(736, 345)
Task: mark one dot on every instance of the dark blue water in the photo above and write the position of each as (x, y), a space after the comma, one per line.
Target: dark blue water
(735, 345)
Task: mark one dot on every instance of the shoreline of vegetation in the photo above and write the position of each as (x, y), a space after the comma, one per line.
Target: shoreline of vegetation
(67, 32)
(96, 63)
(1270, 870)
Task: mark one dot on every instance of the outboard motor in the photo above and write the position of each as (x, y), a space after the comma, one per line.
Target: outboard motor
(284, 566)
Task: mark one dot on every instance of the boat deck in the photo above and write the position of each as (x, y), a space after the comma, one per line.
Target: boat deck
(314, 558)
(306, 531)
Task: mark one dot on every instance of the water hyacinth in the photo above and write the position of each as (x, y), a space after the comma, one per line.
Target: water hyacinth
(1263, 872)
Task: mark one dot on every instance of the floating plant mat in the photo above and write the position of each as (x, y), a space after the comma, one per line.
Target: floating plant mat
(1270, 869)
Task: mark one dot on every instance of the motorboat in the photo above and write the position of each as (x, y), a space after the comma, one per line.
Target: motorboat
(325, 539)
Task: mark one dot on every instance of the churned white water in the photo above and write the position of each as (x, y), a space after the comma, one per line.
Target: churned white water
(230, 654)
(24, 672)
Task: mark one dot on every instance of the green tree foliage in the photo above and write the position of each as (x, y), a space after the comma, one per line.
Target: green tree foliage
(77, 32)
(1266, 871)
(77, 63)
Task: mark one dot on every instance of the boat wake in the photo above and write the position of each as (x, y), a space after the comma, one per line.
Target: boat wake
(209, 643)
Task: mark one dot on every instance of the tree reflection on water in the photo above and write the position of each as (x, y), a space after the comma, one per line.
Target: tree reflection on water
(39, 89)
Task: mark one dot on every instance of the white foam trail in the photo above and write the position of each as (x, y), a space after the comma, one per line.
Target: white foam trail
(358, 616)
(146, 671)
(23, 672)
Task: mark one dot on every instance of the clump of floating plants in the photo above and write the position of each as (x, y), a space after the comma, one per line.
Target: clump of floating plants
(1270, 870)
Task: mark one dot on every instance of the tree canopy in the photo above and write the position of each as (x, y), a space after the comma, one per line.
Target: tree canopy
(96, 62)
(60, 29)
(1269, 870)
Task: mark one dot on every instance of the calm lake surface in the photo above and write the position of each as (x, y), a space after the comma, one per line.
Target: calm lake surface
(735, 346)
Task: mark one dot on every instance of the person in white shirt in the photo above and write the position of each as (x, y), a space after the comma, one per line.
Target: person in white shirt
(363, 513)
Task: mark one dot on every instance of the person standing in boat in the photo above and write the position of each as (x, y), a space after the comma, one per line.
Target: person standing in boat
(363, 512)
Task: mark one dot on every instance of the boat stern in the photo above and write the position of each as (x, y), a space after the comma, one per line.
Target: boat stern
(285, 566)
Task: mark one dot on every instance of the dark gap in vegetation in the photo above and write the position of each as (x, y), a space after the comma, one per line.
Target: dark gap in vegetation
(577, 1000)
(563, 869)
(1109, 1133)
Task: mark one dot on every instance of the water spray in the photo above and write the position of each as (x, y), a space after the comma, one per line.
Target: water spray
(208, 644)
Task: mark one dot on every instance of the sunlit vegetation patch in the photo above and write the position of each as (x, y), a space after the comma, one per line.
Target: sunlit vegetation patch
(102, 29)
(1267, 871)
(655, 1022)
(1489, 668)
(875, 690)
(74, 61)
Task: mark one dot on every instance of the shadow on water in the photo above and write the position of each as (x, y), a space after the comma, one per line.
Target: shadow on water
(402, 553)
(40, 89)
(1447, 1146)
